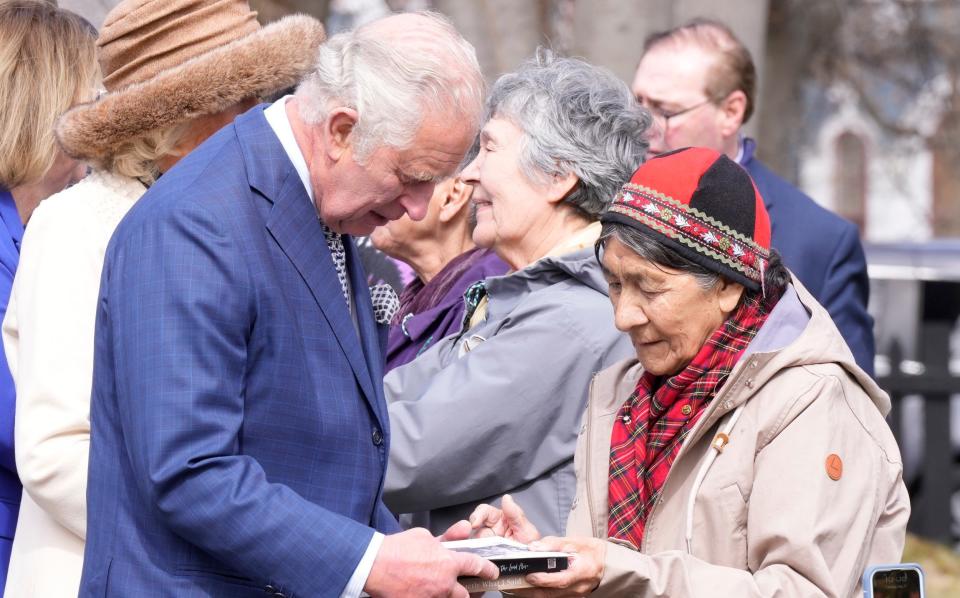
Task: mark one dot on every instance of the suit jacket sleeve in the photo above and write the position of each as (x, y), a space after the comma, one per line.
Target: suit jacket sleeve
(49, 336)
(846, 291)
(186, 304)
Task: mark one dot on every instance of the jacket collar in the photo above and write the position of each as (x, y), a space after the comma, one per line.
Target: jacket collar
(11, 217)
(506, 291)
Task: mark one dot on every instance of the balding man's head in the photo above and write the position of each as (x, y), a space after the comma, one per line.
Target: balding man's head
(732, 69)
(698, 81)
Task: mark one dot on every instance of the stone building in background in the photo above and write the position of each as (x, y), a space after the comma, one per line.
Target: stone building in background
(867, 115)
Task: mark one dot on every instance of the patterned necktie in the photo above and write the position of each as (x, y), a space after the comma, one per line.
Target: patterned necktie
(335, 243)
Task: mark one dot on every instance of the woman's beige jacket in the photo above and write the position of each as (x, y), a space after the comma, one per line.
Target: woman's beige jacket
(806, 493)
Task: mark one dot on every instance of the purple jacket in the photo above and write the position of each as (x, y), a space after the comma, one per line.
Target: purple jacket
(432, 311)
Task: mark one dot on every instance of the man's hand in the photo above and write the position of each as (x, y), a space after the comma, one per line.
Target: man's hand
(509, 521)
(413, 563)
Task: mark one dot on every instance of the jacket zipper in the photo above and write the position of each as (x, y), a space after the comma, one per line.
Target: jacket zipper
(694, 436)
(591, 407)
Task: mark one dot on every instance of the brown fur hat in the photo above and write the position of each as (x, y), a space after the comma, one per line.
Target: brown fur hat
(258, 64)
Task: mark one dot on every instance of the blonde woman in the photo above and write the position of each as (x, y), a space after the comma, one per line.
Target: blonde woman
(167, 90)
(47, 64)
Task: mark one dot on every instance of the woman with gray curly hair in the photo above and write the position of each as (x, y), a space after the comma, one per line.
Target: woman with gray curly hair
(560, 137)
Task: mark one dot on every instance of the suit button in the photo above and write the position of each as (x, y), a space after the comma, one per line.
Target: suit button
(270, 589)
(377, 437)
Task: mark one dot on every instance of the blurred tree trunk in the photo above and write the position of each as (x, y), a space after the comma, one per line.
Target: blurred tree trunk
(92, 10)
(945, 145)
(271, 10)
(504, 32)
(779, 124)
(611, 32)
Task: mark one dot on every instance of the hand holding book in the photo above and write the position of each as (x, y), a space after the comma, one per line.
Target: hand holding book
(414, 563)
(514, 560)
(584, 563)
(584, 570)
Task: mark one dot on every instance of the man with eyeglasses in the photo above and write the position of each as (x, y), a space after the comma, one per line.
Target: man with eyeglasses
(698, 80)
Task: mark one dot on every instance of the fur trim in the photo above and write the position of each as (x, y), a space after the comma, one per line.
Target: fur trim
(277, 56)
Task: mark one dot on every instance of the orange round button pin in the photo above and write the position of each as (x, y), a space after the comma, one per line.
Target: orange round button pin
(834, 466)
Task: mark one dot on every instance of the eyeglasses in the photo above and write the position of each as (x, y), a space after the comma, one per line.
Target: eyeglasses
(664, 116)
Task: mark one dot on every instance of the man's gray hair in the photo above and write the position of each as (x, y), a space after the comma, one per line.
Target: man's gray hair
(393, 79)
(576, 118)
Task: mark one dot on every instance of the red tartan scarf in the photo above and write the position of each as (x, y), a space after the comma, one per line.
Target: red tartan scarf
(652, 424)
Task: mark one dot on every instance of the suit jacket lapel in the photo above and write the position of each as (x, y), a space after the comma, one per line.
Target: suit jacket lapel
(294, 225)
(369, 329)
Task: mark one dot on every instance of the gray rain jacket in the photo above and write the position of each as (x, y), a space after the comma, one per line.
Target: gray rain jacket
(497, 409)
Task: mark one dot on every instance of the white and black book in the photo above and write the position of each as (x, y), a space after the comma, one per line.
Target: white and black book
(515, 561)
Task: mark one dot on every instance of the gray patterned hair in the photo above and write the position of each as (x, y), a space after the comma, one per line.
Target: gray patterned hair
(392, 79)
(575, 118)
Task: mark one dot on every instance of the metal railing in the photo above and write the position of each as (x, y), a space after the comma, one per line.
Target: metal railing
(938, 478)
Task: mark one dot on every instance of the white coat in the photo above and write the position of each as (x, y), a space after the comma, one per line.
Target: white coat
(48, 339)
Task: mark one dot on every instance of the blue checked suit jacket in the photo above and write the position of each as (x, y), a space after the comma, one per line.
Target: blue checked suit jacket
(239, 430)
(824, 252)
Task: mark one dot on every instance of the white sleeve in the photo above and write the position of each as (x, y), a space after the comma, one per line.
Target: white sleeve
(362, 572)
(48, 338)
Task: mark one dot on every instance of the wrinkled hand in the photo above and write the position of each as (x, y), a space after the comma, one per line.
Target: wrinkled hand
(509, 521)
(582, 576)
(413, 563)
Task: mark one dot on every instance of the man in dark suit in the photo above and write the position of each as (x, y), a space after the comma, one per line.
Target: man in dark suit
(698, 80)
(239, 430)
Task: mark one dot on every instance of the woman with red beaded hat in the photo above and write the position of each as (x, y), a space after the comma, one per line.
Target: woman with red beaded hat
(742, 452)
(175, 71)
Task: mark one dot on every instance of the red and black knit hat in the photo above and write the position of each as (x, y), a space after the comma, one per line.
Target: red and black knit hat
(704, 206)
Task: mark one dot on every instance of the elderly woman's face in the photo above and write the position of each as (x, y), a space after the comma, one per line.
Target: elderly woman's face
(667, 314)
(508, 205)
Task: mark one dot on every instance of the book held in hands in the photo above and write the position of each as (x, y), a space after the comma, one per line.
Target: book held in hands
(515, 561)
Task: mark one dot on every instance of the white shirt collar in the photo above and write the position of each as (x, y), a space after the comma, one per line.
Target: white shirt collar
(276, 115)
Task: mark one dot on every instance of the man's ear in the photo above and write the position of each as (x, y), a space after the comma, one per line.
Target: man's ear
(338, 127)
(728, 295)
(454, 200)
(560, 186)
(732, 109)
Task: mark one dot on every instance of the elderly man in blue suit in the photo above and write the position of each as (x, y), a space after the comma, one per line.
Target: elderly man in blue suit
(699, 82)
(239, 431)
